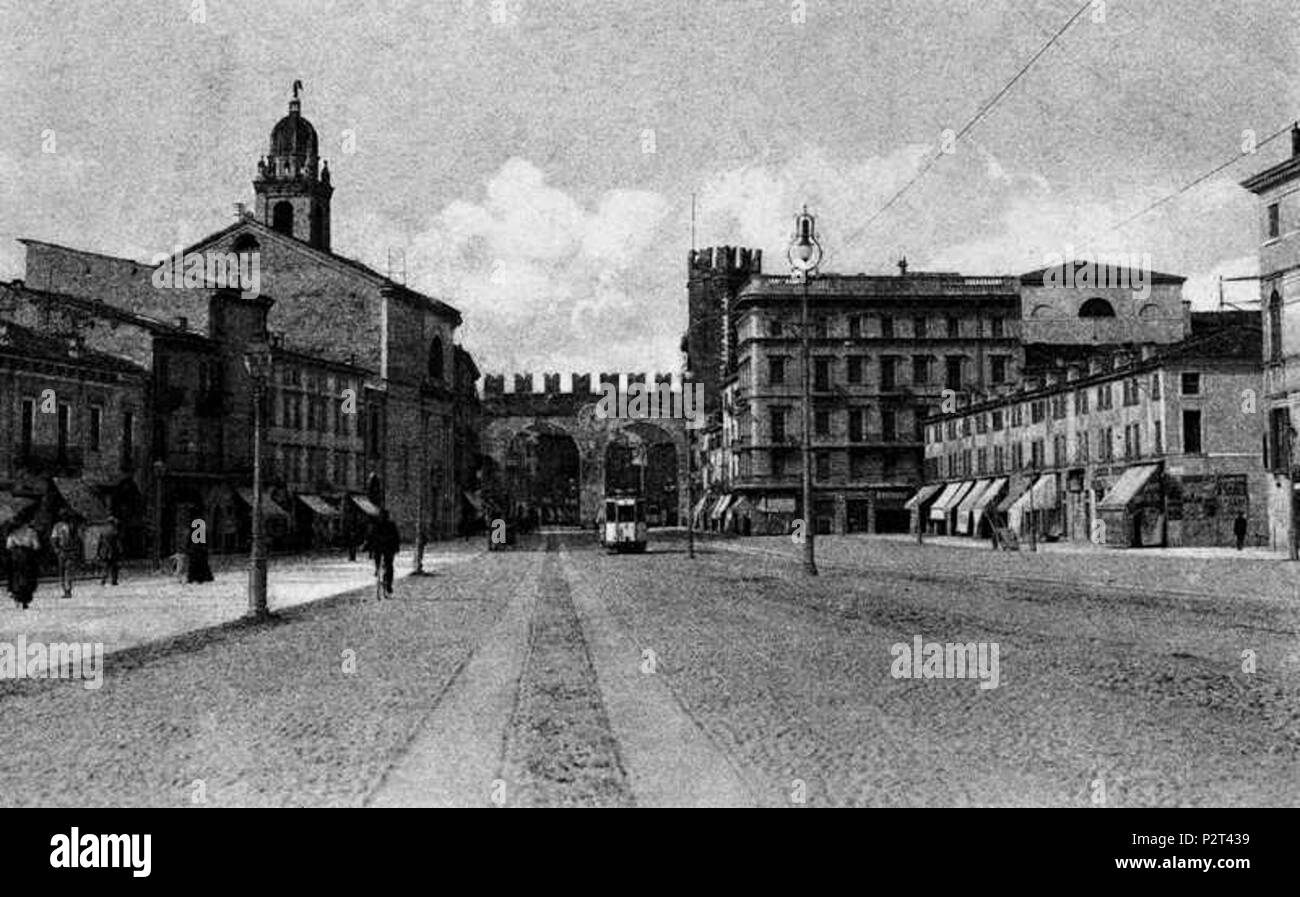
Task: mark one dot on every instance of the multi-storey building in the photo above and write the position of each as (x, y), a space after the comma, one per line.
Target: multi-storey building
(1152, 445)
(73, 419)
(886, 352)
(357, 325)
(1278, 189)
(195, 421)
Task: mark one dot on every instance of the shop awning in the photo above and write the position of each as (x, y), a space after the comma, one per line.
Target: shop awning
(1013, 496)
(319, 505)
(985, 501)
(11, 506)
(81, 499)
(365, 504)
(269, 506)
(1045, 494)
(739, 507)
(953, 494)
(720, 507)
(700, 505)
(968, 504)
(922, 496)
(1127, 487)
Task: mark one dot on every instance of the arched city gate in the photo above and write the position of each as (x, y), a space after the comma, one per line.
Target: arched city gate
(558, 466)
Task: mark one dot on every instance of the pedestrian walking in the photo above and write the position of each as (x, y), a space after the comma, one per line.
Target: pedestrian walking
(384, 542)
(23, 547)
(109, 553)
(63, 539)
(1239, 530)
(199, 570)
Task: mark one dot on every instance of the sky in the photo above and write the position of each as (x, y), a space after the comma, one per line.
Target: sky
(534, 162)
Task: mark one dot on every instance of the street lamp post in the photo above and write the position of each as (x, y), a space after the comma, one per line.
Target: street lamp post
(687, 376)
(1033, 482)
(805, 254)
(258, 363)
(159, 470)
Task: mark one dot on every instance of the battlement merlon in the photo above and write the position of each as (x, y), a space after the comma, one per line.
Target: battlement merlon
(726, 260)
(525, 384)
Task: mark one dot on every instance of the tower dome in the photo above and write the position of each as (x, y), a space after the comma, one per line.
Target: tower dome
(293, 191)
(293, 135)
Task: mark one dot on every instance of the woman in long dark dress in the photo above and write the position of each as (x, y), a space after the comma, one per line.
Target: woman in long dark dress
(23, 546)
(199, 571)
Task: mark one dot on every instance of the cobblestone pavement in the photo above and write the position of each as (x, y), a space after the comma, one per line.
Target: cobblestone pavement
(555, 674)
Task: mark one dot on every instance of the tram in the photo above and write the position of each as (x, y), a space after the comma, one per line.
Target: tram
(623, 525)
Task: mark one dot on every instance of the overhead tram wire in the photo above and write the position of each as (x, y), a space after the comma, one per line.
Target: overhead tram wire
(1199, 179)
(979, 115)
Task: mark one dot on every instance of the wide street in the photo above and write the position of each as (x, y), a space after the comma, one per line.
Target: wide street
(555, 674)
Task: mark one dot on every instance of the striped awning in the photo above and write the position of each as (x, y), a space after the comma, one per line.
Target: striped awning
(269, 506)
(922, 496)
(318, 505)
(365, 505)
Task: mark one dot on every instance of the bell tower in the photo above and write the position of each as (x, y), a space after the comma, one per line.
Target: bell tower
(292, 185)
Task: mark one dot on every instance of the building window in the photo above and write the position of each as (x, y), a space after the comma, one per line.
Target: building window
(998, 368)
(1131, 391)
(952, 372)
(998, 459)
(821, 374)
(887, 379)
(998, 328)
(1274, 221)
(65, 430)
(1081, 401)
(128, 439)
(1058, 451)
(1191, 431)
(856, 429)
(1105, 398)
(1096, 308)
(778, 424)
(821, 422)
(28, 425)
(982, 461)
(1037, 412)
(1159, 437)
(1083, 447)
(886, 327)
(1191, 384)
(821, 327)
(435, 359)
(823, 465)
(1155, 386)
(1017, 455)
(1036, 453)
(888, 425)
(96, 428)
(855, 327)
(920, 369)
(997, 420)
(1279, 435)
(954, 327)
(776, 370)
(858, 465)
(282, 218)
(855, 369)
(1275, 327)
(919, 327)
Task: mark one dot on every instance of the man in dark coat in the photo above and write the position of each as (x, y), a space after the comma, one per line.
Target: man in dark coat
(1239, 530)
(385, 541)
(110, 551)
(24, 548)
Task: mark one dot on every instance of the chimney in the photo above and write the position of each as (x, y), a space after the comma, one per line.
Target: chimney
(1073, 371)
(1148, 351)
(182, 322)
(1095, 365)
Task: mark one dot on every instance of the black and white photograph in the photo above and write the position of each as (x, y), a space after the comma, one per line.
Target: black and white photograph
(676, 404)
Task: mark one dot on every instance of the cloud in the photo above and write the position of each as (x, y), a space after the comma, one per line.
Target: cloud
(540, 274)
